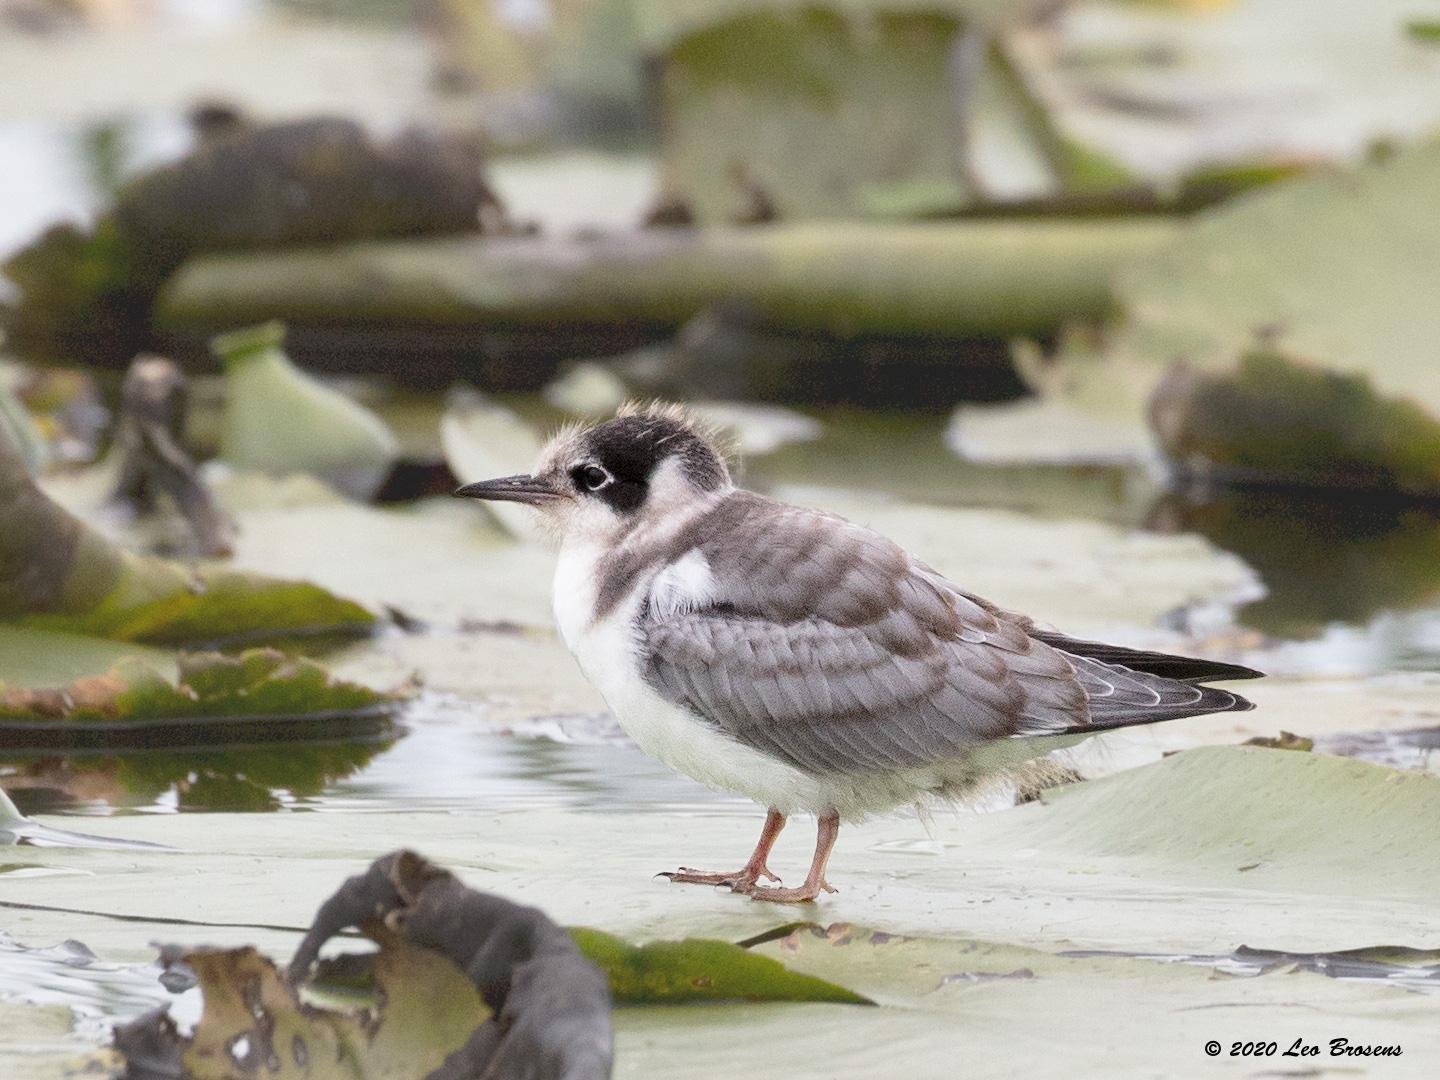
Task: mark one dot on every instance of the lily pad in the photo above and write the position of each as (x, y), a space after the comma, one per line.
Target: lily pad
(1159, 861)
(281, 420)
(1279, 420)
(31, 657)
(259, 694)
(484, 440)
(221, 608)
(1336, 266)
(16, 828)
(57, 573)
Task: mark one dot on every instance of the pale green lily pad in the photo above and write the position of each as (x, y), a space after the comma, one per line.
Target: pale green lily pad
(982, 1003)
(1160, 861)
(1337, 266)
(17, 829)
(38, 1042)
(30, 657)
(841, 279)
(63, 575)
(689, 971)
(280, 419)
(800, 118)
(224, 607)
(1097, 865)
(845, 108)
(1278, 418)
(484, 440)
(755, 430)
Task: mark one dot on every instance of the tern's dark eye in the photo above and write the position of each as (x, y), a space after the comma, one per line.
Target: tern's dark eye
(589, 477)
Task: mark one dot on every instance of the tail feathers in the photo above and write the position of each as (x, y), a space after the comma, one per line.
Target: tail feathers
(1211, 700)
(1119, 696)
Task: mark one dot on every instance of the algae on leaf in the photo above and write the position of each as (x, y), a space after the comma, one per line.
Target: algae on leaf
(257, 694)
(700, 970)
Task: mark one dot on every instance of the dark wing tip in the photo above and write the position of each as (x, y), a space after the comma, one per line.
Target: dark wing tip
(1226, 672)
(1167, 665)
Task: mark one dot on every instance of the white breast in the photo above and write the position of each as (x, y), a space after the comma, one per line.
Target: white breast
(609, 653)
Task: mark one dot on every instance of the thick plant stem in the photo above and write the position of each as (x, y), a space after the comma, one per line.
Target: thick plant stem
(948, 280)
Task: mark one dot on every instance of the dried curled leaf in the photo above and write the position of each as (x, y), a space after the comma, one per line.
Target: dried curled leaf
(152, 456)
(464, 985)
(256, 1025)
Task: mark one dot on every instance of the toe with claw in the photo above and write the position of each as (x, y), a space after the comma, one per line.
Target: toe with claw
(741, 881)
(803, 894)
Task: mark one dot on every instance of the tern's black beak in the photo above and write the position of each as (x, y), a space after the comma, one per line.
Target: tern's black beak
(531, 490)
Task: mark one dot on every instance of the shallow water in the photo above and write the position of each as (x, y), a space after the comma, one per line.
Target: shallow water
(100, 994)
(444, 757)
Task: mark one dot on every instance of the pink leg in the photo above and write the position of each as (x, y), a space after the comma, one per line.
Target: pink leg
(742, 880)
(815, 883)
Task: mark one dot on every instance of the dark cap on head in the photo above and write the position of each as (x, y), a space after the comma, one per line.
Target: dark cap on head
(631, 446)
(615, 462)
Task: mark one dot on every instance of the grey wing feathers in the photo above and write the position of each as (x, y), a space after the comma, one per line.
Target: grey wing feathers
(825, 645)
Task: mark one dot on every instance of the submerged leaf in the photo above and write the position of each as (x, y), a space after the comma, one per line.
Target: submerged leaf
(261, 693)
(700, 970)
